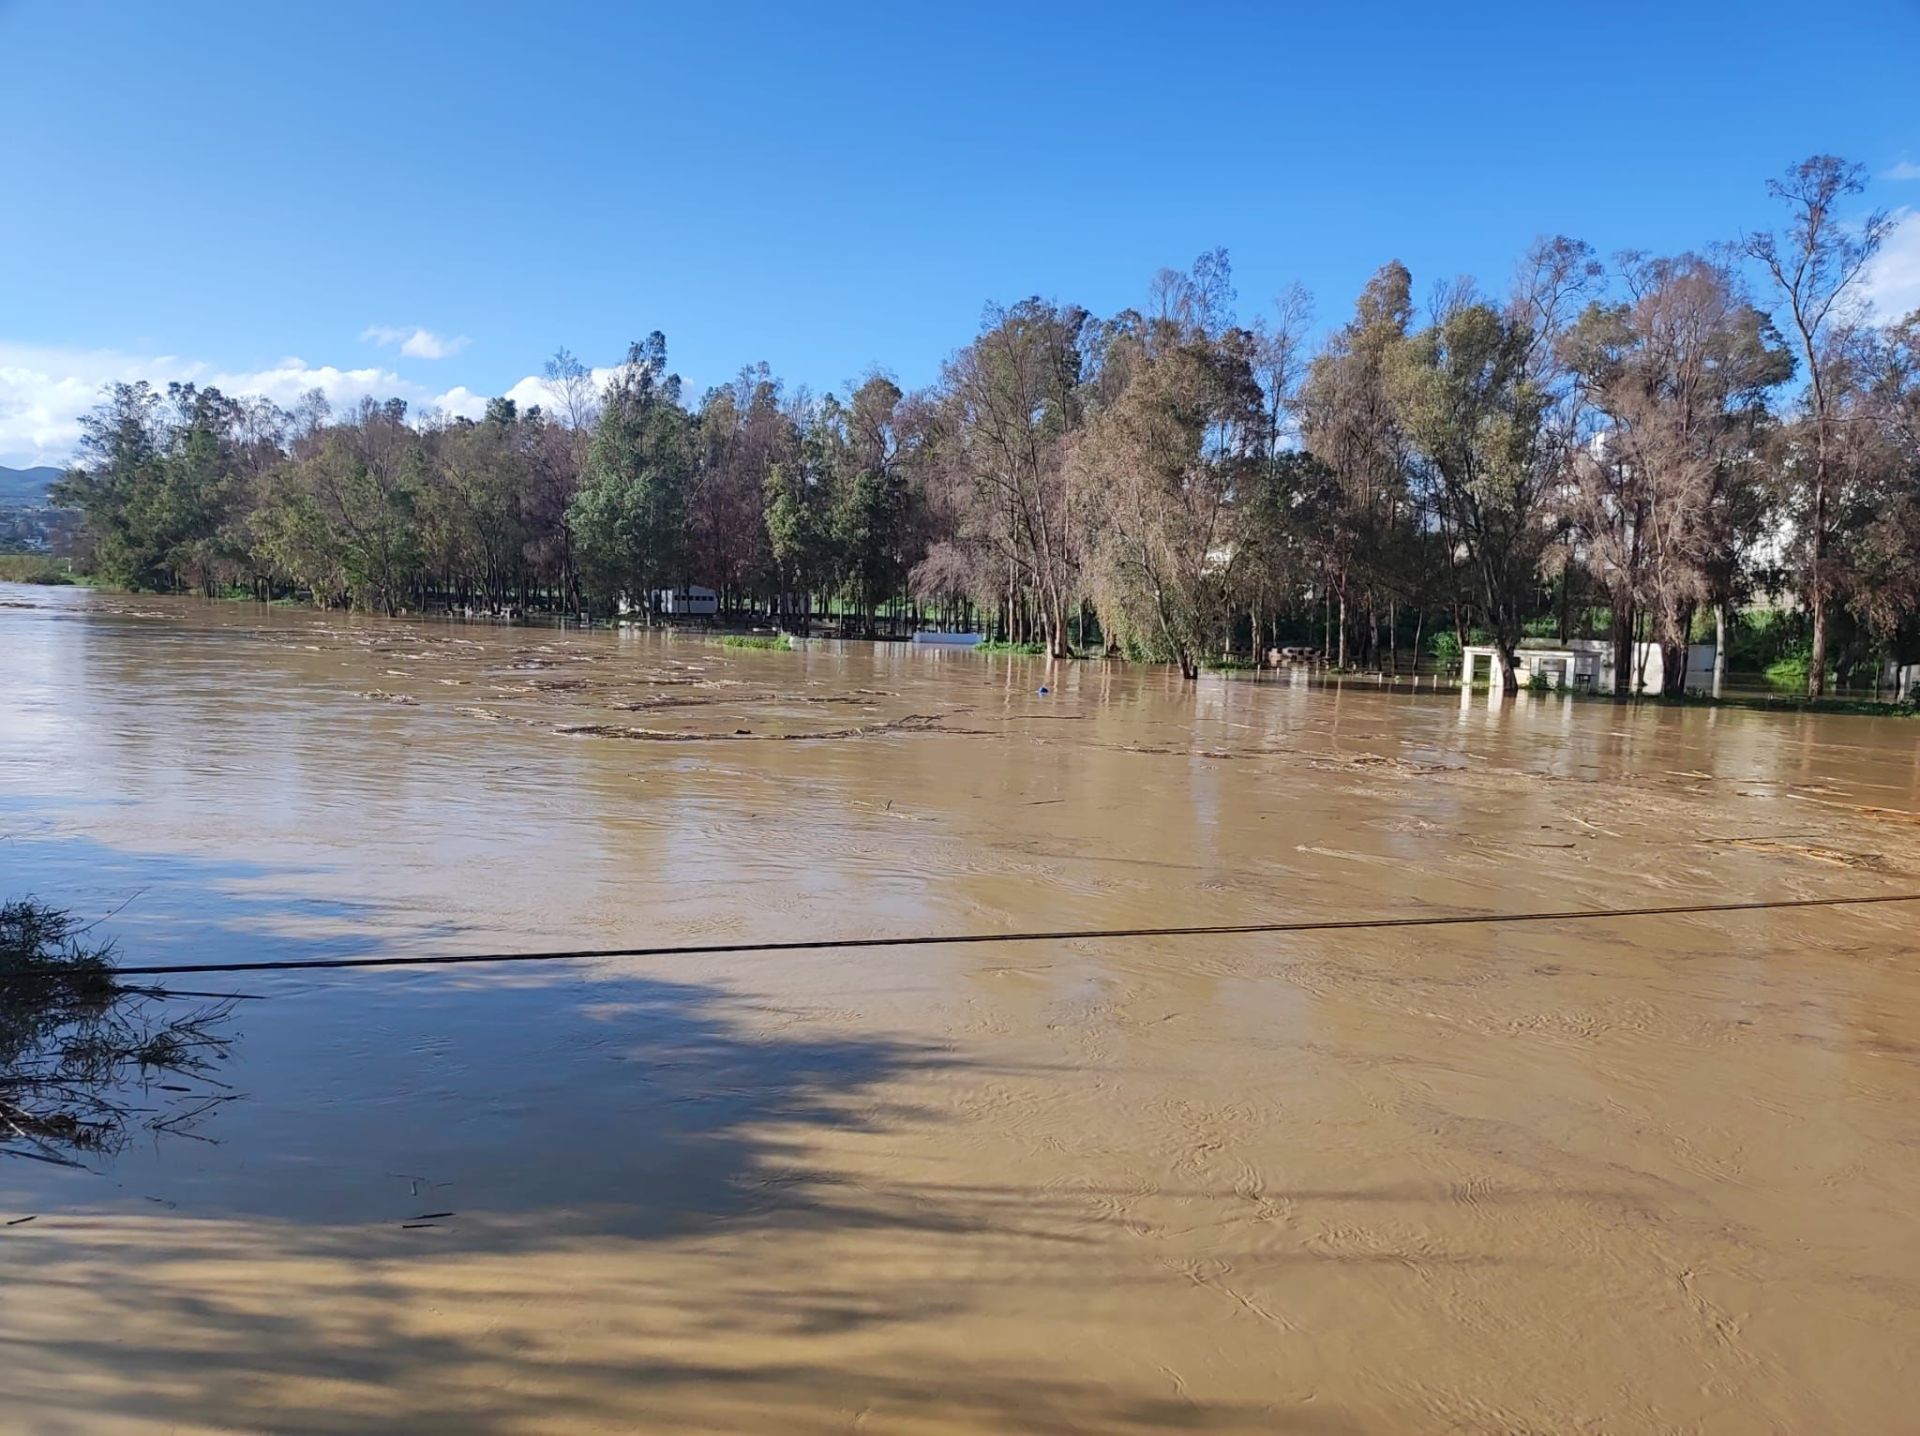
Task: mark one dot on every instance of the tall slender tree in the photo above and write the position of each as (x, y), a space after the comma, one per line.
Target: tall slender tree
(1814, 264)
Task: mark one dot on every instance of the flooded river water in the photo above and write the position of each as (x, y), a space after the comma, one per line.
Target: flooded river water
(1644, 1175)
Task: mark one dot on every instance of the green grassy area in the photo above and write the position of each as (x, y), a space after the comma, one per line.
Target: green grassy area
(779, 643)
(997, 645)
(36, 568)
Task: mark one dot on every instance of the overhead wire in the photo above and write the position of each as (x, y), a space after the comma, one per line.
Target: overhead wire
(1096, 934)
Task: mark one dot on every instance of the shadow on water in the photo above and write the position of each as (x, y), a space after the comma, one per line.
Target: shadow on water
(631, 1103)
(496, 1202)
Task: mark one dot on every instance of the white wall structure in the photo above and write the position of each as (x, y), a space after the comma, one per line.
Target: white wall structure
(1587, 664)
(691, 601)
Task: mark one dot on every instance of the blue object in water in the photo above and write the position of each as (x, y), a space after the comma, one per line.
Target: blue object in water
(1043, 690)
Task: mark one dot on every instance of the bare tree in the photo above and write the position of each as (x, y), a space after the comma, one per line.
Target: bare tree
(576, 399)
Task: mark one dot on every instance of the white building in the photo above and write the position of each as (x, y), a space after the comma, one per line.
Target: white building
(688, 601)
(1587, 663)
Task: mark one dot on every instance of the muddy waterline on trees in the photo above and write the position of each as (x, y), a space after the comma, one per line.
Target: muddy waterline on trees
(1644, 1175)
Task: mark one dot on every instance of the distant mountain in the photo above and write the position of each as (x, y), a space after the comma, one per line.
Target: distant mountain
(21, 487)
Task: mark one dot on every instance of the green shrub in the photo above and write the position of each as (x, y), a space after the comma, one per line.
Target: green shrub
(779, 643)
(1790, 669)
(33, 568)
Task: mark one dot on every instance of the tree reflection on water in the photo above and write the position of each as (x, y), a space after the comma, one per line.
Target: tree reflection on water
(85, 1060)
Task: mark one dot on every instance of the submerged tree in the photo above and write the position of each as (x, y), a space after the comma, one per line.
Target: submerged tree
(1012, 402)
(1504, 466)
(1814, 264)
(1875, 559)
(629, 516)
(1677, 375)
(1165, 463)
(1474, 415)
(160, 484)
(1349, 423)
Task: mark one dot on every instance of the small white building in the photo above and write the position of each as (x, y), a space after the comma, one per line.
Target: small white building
(687, 601)
(1587, 663)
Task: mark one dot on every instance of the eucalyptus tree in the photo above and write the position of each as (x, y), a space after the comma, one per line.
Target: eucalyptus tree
(1876, 552)
(1815, 264)
(1012, 404)
(744, 430)
(873, 495)
(343, 519)
(161, 484)
(1169, 463)
(1473, 413)
(1677, 374)
(629, 518)
(1349, 422)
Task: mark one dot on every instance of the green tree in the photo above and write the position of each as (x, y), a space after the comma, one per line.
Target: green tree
(1169, 460)
(872, 497)
(1465, 396)
(1815, 264)
(1349, 424)
(629, 518)
(1012, 404)
(159, 484)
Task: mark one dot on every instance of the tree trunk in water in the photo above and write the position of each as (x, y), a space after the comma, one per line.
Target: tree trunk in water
(1342, 662)
(1057, 644)
(1509, 675)
(1673, 669)
(1817, 661)
(1622, 651)
(1719, 649)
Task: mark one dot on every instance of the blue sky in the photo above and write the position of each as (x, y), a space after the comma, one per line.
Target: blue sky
(253, 193)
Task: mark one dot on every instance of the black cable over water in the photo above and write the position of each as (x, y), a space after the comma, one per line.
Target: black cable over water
(1068, 935)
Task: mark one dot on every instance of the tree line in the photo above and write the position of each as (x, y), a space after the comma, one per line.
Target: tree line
(1639, 446)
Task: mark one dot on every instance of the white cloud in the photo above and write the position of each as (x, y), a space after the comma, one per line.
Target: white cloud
(534, 390)
(1905, 170)
(415, 343)
(460, 402)
(44, 391)
(1891, 285)
(286, 381)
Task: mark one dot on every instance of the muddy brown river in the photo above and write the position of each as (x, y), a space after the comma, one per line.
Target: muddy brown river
(1640, 1175)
